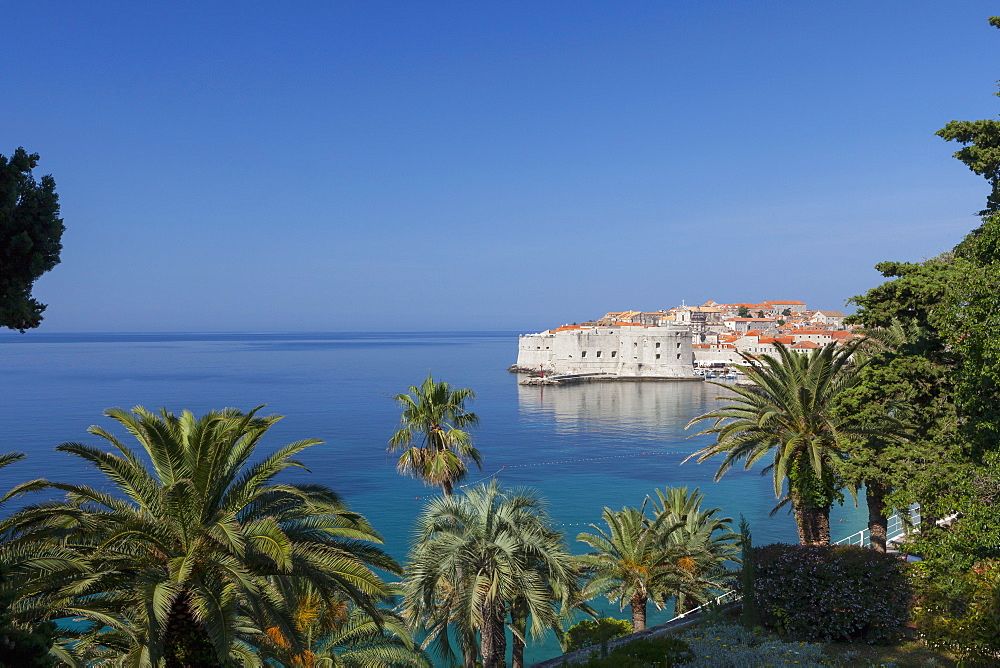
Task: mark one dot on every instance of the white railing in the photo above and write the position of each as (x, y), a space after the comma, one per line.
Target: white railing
(895, 529)
(724, 597)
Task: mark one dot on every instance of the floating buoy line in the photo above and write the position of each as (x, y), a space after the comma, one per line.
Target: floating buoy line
(572, 461)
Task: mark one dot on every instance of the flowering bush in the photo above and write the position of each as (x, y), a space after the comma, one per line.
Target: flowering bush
(831, 592)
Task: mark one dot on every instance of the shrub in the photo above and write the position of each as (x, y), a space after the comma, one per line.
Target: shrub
(596, 632)
(959, 612)
(662, 652)
(831, 592)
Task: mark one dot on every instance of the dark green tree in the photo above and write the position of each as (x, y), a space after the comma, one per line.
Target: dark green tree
(945, 380)
(905, 387)
(981, 152)
(971, 304)
(743, 312)
(970, 327)
(30, 235)
(748, 576)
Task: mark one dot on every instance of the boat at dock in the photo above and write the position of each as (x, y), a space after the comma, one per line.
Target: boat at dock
(566, 379)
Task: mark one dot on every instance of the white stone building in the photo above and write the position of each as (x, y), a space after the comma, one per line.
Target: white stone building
(832, 318)
(743, 325)
(793, 307)
(637, 351)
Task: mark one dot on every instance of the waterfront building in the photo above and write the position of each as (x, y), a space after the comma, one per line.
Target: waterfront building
(624, 349)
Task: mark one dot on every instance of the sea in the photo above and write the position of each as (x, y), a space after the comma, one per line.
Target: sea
(584, 447)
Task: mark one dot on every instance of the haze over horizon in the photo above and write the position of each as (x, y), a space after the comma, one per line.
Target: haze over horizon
(449, 166)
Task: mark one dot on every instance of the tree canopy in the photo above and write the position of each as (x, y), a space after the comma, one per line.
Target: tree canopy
(30, 238)
(434, 414)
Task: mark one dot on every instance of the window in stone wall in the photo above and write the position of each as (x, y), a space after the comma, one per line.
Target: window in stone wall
(678, 355)
(614, 353)
(657, 344)
(657, 355)
(678, 344)
(598, 353)
(583, 354)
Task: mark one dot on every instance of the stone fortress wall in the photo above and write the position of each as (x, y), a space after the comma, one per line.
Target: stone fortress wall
(661, 352)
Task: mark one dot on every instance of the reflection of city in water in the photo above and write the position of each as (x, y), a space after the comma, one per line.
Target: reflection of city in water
(645, 409)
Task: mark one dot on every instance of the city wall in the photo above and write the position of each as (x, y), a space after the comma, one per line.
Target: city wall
(621, 351)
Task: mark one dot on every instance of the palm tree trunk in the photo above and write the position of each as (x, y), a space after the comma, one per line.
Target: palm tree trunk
(494, 636)
(823, 526)
(802, 523)
(518, 625)
(685, 603)
(469, 656)
(469, 653)
(186, 643)
(878, 523)
(813, 523)
(448, 486)
(517, 659)
(638, 604)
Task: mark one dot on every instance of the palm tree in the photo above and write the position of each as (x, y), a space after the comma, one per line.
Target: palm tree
(434, 414)
(178, 559)
(563, 582)
(633, 561)
(475, 555)
(337, 633)
(788, 414)
(703, 541)
(25, 640)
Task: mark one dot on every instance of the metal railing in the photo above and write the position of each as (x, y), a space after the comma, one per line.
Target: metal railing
(895, 529)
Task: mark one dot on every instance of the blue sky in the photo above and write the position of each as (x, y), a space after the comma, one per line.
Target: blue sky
(326, 166)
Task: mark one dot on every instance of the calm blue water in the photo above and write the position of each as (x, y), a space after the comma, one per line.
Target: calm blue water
(585, 446)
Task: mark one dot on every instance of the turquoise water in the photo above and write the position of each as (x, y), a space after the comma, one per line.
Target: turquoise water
(584, 446)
